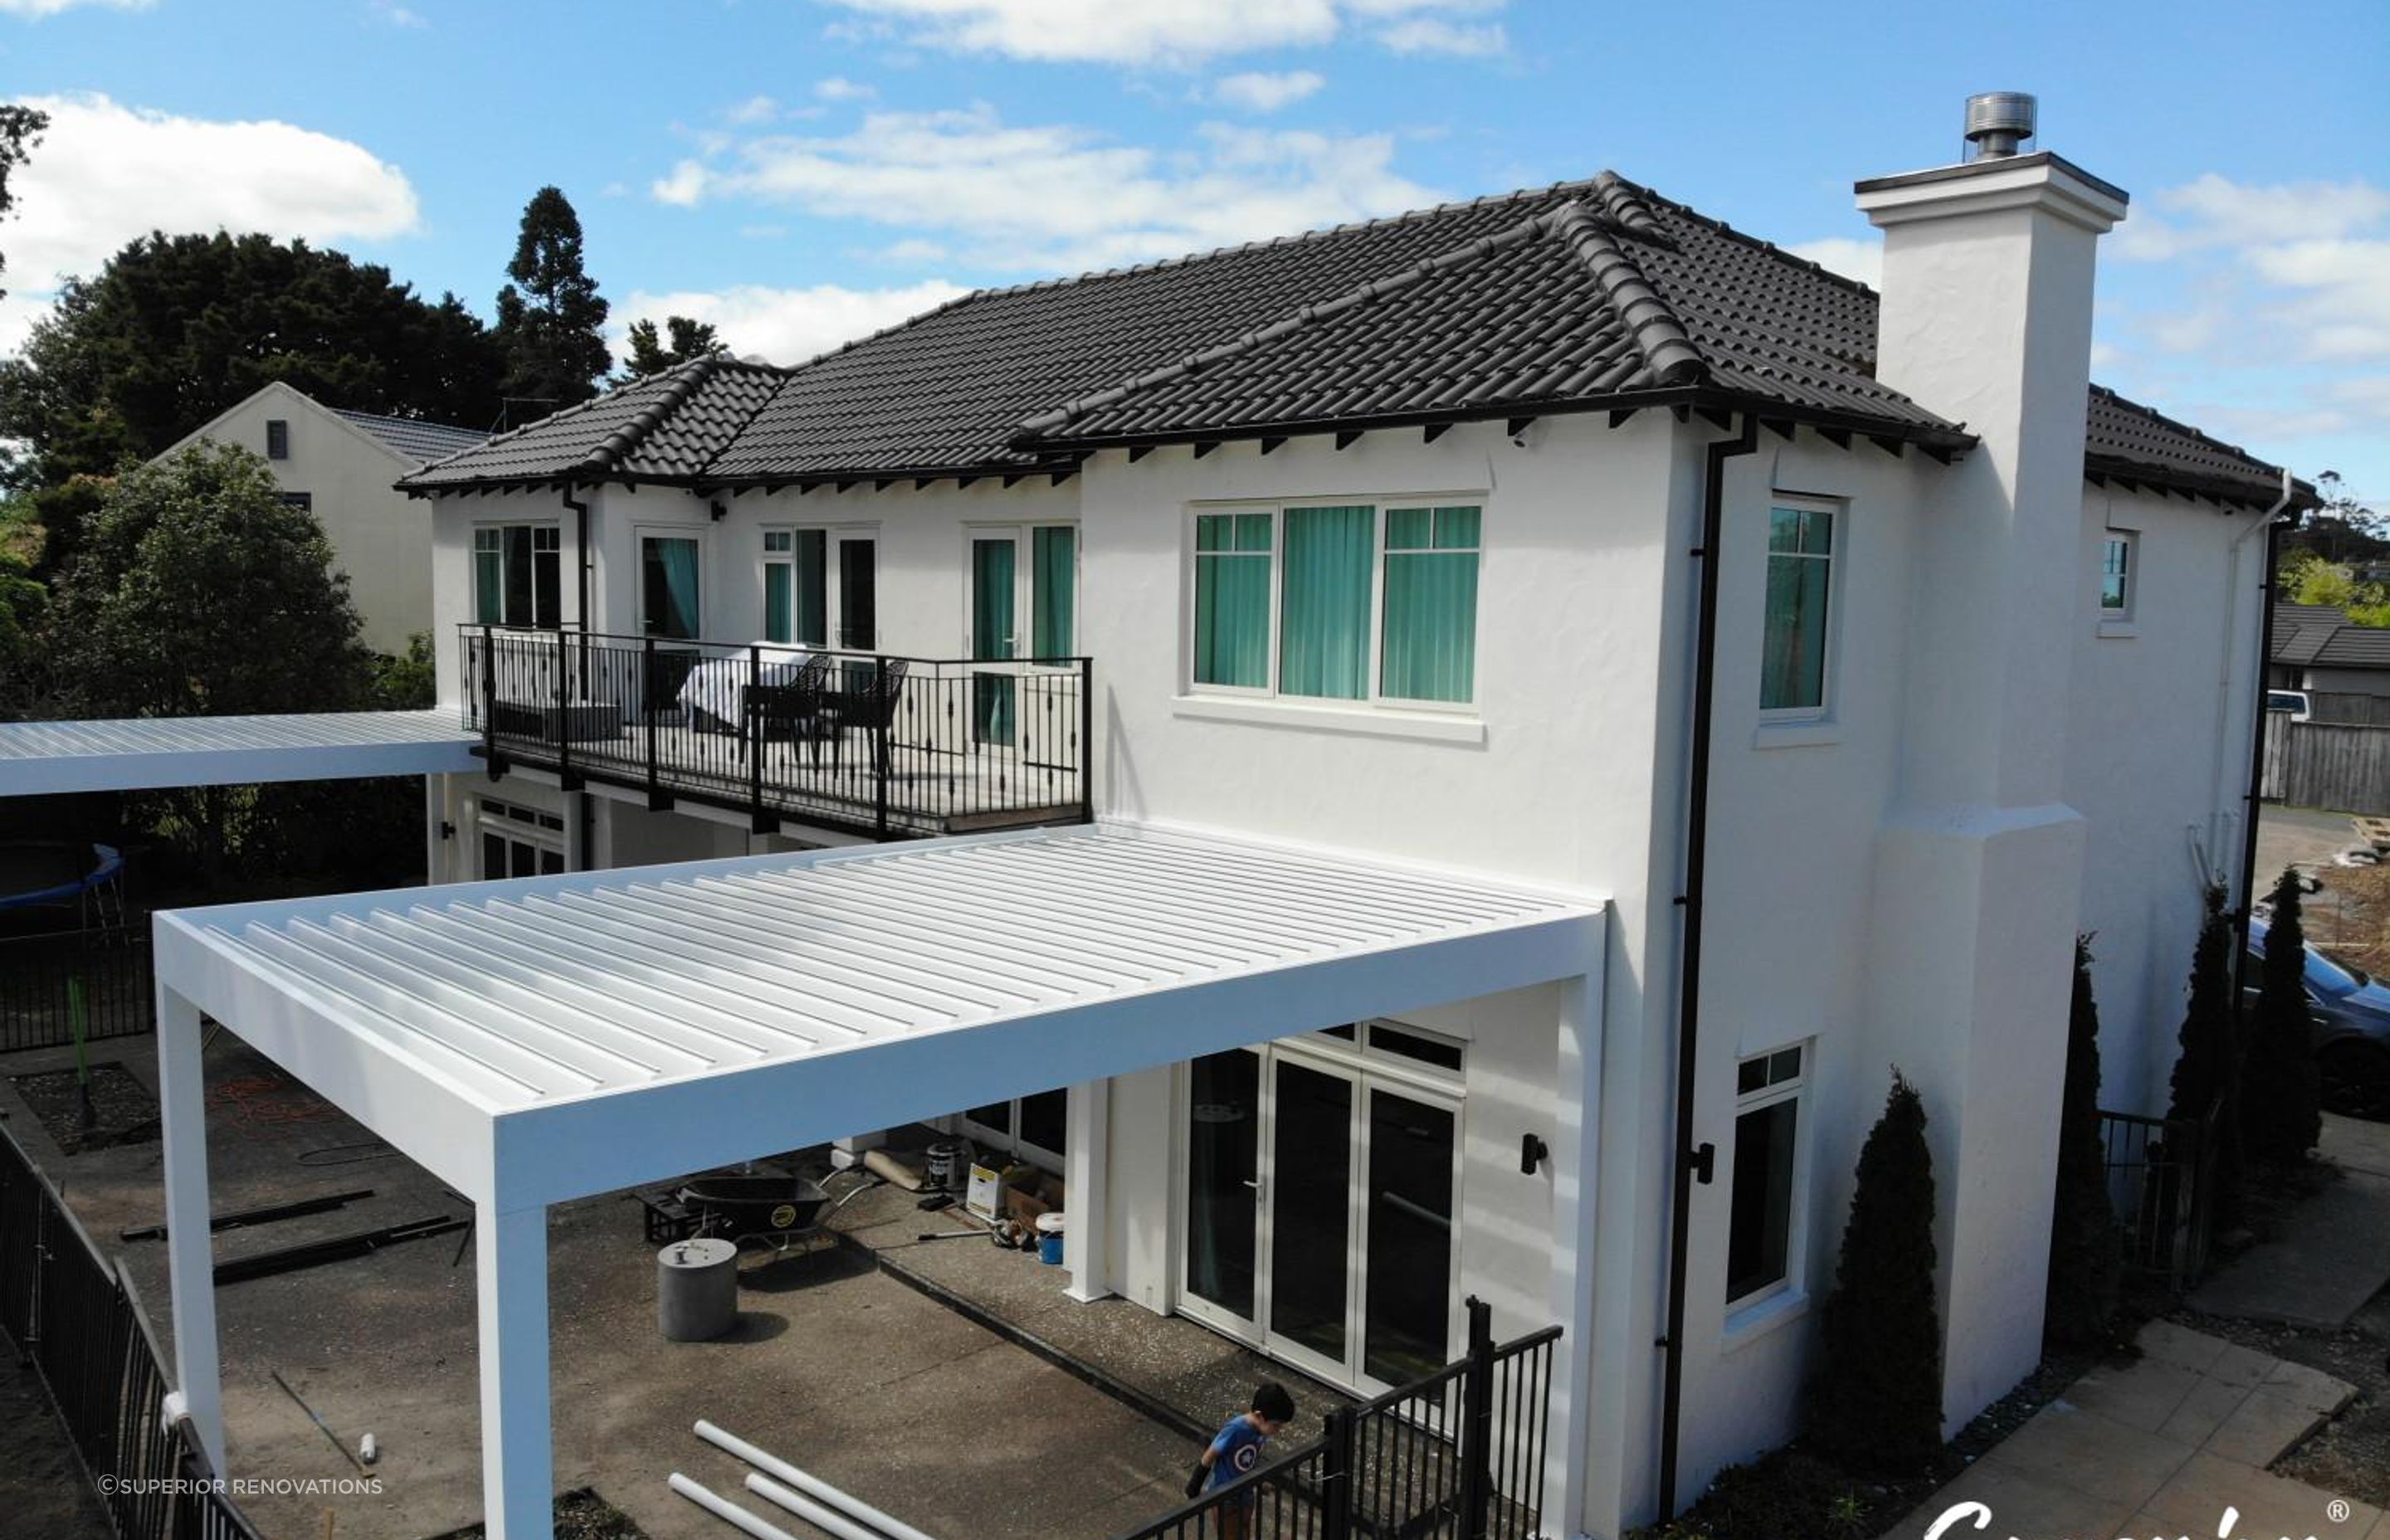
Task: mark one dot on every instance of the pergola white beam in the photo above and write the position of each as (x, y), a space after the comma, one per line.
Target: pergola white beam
(150, 753)
(190, 1238)
(1086, 1239)
(518, 1455)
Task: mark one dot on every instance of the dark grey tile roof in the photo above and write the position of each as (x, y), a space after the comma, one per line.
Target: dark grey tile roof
(420, 442)
(1565, 297)
(2319, 635)
(2131, 442)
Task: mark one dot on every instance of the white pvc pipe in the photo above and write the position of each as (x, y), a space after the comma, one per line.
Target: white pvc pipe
(813, 1486)
(727, 1511)
(810, 1511)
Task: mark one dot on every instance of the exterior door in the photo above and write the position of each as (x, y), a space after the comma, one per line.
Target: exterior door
(1309, 1224)
(1223, 1131)
(995, 632)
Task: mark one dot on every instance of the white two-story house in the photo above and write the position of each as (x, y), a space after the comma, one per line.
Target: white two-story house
(1851, 645)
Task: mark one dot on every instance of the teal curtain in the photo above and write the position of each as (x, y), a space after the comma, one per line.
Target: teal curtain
(1800, 571)
(775, 602)
(993, 635)
(671, 577)
(488, 578)
(1430, 641)
(812, 578)
(1324, 605)
(1053, 590)
(1232, 586)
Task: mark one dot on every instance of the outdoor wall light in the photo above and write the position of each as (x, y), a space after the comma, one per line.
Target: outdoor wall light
(1532, 1151)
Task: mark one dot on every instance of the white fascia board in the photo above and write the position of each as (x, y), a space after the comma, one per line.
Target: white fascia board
(435, 1122)
(134, 770)
(568, 1147)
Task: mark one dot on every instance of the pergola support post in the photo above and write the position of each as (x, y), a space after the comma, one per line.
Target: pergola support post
(1085, 1238)
(1578, 1473)
(518, 1462)
(190, 1245)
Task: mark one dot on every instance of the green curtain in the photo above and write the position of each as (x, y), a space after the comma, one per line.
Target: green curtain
(671, 579)
(1053, 590)
(775, 602)
(812, 582)
(1800, 569)
(1232, 586)
(1324, 605)
(1430, 640)
(993, 635)
(489, 579)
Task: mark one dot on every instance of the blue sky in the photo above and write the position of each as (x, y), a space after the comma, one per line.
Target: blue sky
(800, 171)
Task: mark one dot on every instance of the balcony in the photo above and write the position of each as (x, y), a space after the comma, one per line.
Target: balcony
(871, 743)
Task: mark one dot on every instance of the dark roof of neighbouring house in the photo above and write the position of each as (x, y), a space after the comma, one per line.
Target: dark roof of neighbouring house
(2319, 635)
(416, 440)
(1568, 298)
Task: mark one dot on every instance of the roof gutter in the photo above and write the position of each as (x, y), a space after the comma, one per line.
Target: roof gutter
(2273, 524)
(1691, 1163)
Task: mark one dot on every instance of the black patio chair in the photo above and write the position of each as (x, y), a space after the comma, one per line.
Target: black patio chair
(862, 695)
(791, 712)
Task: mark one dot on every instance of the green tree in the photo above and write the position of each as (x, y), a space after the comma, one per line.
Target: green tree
(1877, 1402)
(21, 130)
(2086, 1254)
(650, 354)
(550, 316)
(2207, 1064)
(199, 592)
(175, 328)
(2280, 1093)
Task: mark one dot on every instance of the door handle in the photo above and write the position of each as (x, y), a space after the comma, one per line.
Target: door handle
(1255, 1185)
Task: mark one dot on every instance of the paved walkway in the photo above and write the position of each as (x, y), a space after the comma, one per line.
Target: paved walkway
(2334, 1251)
(2161, 1448)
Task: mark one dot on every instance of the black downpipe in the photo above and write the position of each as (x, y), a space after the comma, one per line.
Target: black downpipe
(1688, 984)
(2249, 804)
(580, 511)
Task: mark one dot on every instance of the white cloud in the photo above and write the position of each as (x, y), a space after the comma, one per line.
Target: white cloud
(2337, 299)
(1862, 259)
(2215, 213)
(837, 88)
(788, 326)
(105, 175)
(1256, 91)
(33, 10)
(399, 16)
(754, 109)
(1058, 197)
(1168, 32)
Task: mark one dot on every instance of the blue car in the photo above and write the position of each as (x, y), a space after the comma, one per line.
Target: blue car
(2352, 1024)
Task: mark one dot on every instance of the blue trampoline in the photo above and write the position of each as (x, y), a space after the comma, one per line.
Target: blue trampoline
(39, 874)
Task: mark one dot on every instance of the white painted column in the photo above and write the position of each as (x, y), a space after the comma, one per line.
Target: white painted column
(436, 816)
(1085, 1200)
(518, 1462)
(1581, 1480)
(190, 1247)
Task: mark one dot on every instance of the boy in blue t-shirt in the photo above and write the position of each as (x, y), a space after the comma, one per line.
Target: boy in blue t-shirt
(1238, 1449)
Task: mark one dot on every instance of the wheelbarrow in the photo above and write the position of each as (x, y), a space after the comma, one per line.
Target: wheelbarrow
(772, 1211)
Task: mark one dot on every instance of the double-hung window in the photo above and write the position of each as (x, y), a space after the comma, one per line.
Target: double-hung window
(1761, 1242)
(1348, 601)
(518, 577)
(2116, 577)
(1797, 633)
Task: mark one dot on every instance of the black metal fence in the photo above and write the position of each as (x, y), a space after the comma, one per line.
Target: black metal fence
(76, 1320)
(868, 741)
(1457, 1455)
(2161, 1184)
(41, 978)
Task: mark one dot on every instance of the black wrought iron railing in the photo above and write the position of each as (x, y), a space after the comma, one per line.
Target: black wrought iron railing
(2161, 1184)
(76, 1320)
(1456, 1455)
(100, 974)
(876, 742)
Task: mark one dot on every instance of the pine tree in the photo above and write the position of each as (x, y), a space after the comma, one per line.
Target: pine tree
(2085, 1256)
(2203, 1068)
(551, 325)
(2280, 1102)
(651, 355)
(1877, 1402)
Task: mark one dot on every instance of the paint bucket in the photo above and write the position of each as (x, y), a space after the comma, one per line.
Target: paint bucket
(1049, 1239)
(949, 1162)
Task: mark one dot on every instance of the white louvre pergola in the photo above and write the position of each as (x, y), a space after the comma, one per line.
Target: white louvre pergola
(143, 753)
(551, 1038)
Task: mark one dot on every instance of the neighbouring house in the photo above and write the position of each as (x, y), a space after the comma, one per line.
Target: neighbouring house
(2343, 668)
(340, 465)
(1568, 694)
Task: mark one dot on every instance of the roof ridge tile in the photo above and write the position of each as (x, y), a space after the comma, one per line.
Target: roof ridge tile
(1670, 350)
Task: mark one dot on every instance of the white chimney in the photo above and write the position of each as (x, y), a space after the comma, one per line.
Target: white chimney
(1986, 319)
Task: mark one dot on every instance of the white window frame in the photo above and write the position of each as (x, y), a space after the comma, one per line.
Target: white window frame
(535, 826)
(640, 535)
(1379, 506)
(834, 536)
(1746, 1309)
(1837, 562)
(473, 567)
(1024, 578)
(2130, 542)
(1013, 1143)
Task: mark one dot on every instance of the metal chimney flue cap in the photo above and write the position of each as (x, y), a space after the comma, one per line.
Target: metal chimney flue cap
(1998, 122)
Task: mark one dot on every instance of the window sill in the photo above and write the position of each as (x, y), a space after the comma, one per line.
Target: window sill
(1796, 735)
(1747, 1324)
(2119, 628)
(1362, 720)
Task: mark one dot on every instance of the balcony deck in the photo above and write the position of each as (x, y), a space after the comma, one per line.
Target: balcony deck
(871, 743)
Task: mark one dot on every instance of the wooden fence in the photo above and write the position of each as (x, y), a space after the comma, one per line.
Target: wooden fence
(2329, 764)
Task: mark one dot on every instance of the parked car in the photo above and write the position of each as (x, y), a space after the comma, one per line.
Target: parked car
(2351, 1017)
(2293, 701)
